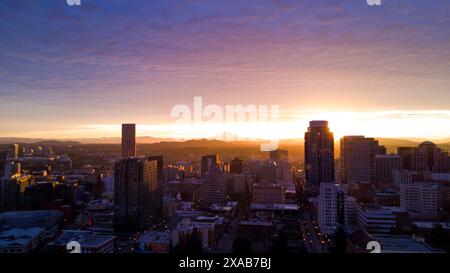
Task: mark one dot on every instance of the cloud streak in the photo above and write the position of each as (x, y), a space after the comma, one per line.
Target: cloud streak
(118, 60)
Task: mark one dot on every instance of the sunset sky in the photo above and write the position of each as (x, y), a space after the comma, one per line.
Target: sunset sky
(72, 72)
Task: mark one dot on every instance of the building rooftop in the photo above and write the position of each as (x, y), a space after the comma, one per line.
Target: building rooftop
(209, 219)
(19, 236)
(431, 225)
(260, 206)
(255, 222)
(28, 219)
(396, 156)
(85, 238)
(155, 237)
(403, 244)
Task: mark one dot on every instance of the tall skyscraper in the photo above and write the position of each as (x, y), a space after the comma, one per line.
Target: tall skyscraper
(135, 187)
(319, 155)
(208, 161)
(427, 157)
(9, 194)
(406, 154)
(268, 172)
(385, 165)
(13, 151)
(214, 187)
(236, 166)
(3, 157)
(157, 204)
(128, 140)
(357, 161)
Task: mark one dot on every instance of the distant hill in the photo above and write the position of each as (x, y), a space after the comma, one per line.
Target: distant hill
(100, 140)
(117, 140)
(10, 140)
(57, 143)
(295, 146)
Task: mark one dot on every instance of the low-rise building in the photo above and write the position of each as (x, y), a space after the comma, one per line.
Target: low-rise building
(424, 199)
(154, 242)
(271, 193)
(48, 220)
(403, 244)
(375, 219)
(21, 240)
(186, 229)
(274, 210)
(89, 241)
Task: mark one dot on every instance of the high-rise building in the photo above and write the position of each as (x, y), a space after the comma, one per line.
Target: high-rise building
(384, 167)
(420, 198)
(128, 140)
(279, 154)
(357, 161)
(160, 165)
(9, 194)
(11, 168)
(406, 154)
(268, 172)
(319, 155)
(427, 157)
(13, 151)
(333, 207)
(243, 183)
(236, 166)
(214, 186)
(284, 172)
(269, 193)
(3, 156)
(161, 185)
(135, 190)
(207, 162)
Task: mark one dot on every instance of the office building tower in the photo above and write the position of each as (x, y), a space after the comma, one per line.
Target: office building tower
(128, 140)
(279, 154)
(427, 157)
(357, 161)
(13, 151)
(319, 155)
(385, 166)
(420, 198)
(236, 166)
(243, 183)
(207, 162)
(135, 188)
(9, 194)
(11, 168)
(3, 157)
(333, 207)
(284, 172)
(269, 193)
(214, 186)
(268, 172)
(160, 165)
(406, 154)
(161, 185)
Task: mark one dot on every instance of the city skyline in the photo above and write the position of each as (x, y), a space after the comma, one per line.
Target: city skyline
(80, 72)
